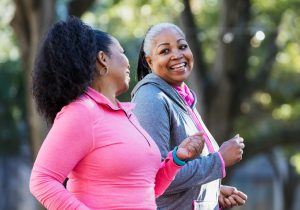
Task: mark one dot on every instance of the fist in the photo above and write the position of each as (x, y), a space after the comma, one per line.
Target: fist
(230, 196)
(191, 147)
(232, 150)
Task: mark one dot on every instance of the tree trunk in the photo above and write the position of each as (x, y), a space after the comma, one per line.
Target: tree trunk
(32, 18)
(198, 75)
(228, 73)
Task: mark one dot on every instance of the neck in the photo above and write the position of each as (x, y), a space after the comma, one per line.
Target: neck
(107, 92)
(181, 85)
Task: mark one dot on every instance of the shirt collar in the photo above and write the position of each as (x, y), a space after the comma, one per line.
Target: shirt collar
(185, 93)
(101, 99)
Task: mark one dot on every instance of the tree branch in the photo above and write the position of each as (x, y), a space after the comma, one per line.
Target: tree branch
(265, 142)
(191, 31)
(20, 24)
(265, 70)
(198, 76)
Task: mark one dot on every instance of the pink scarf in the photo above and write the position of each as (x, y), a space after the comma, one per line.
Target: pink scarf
(189, 99)
(185, 93)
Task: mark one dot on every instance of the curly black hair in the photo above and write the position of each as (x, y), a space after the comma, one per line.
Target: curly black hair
(66, 64)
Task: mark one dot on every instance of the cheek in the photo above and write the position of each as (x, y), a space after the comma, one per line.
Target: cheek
(125, 61)
(161, 64)
(190, 60)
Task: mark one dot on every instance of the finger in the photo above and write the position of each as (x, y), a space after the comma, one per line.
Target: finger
(232, 201)
(198, 147)
(227, 202)
(241, 140)
(196, 141)
(228, 190)
(241, 151)
(221, 201)
(242, 145)
(185, 142)
(242, 195)
(200, 133)
(190, 152)
(193, 146)
(240, 201)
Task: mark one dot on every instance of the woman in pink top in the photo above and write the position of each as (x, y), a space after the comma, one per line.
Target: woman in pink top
(95, 140)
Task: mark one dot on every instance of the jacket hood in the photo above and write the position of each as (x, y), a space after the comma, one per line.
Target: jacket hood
(153, 79)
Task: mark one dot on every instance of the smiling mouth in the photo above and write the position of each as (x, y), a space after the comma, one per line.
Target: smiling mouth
(178, 66)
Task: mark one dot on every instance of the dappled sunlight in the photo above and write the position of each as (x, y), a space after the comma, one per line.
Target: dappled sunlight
(284, 112)
(295, 161)
(146, 10)
(253, 60)
(125, 13)
(263, 98)
(283, 58)
(9, 50)
(257, 39)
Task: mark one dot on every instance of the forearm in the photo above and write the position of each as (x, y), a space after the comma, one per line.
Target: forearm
(48, 189)
(197, 172)
(165, 175)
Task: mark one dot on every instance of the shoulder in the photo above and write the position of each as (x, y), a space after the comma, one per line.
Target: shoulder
(149, 93)
(81, 108)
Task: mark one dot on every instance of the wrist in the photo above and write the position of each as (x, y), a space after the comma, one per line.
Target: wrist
(176, 160)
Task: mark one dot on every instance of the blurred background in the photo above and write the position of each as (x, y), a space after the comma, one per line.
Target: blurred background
(246, 74)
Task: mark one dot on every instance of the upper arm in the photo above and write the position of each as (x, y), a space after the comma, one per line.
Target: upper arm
(68, 141)
(152, 113)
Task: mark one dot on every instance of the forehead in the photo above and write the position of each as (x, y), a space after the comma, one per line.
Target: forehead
(167, 36)
(115, 42)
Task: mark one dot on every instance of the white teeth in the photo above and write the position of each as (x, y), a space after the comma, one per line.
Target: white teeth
(178, 65)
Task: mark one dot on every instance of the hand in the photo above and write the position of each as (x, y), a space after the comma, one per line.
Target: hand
(230, 196)
(191, 147)
(232, 150)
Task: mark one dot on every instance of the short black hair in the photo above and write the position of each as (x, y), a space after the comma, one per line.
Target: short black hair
(65, 64)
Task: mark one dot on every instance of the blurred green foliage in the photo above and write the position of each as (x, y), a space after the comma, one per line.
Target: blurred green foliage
(266, 110)
(12, 107)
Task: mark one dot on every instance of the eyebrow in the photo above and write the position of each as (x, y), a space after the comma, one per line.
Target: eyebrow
(166, 43)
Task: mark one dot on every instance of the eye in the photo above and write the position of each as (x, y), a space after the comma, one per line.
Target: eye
(164, 51)
(183, 46)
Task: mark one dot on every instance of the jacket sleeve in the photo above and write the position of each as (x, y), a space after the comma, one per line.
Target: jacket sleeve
(165, 174)
(68, 141)
(153, 113)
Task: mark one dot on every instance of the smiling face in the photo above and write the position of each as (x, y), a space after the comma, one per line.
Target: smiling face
(170, 57)
(118, 67)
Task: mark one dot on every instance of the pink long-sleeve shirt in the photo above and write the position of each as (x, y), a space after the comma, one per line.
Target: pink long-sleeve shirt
(111, 162)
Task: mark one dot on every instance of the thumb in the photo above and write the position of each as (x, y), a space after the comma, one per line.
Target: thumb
(228, 190)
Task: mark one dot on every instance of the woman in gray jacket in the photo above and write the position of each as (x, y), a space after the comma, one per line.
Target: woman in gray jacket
(166, 108)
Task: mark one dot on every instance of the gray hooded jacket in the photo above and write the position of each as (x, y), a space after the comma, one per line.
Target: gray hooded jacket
(163, 114)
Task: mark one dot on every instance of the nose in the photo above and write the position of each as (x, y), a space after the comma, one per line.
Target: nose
(176, 54)
(127, 61)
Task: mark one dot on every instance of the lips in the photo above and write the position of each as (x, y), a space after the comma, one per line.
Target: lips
(178, 66)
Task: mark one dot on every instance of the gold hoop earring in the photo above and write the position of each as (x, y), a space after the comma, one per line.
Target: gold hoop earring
(105, 71)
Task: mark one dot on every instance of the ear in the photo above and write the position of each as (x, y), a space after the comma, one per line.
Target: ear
(149, 61)
(102, 59)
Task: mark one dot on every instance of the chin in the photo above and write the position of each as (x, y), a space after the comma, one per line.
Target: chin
(123, 90)
(181, 78)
